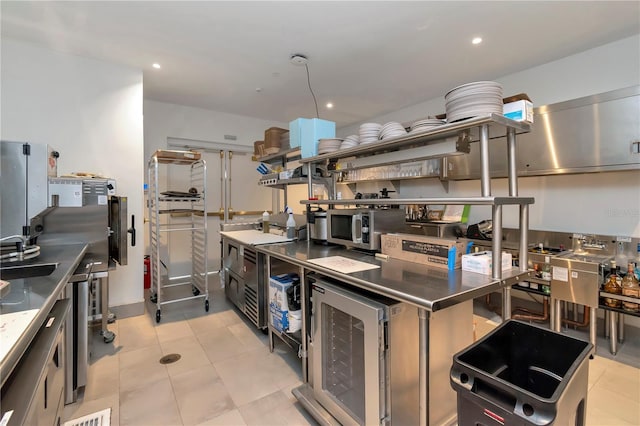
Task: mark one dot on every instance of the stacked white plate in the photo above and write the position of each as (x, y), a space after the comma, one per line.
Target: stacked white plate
(473, 99)
(391, 130)
(350, 141)
(329, 145)
(426, 124)
(369, 133)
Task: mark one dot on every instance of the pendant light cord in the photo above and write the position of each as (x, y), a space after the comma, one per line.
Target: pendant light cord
(311, 90)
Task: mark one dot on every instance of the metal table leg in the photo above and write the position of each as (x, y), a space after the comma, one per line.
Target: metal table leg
(620, 328)
(557, 307)
(593, 326)
(613, 333)
(103, 279)
(607, 318)
(423, 347)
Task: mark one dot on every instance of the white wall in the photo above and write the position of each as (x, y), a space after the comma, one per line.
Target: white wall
(91, 111)
(609, 67)
(162, 120)
(603, 203)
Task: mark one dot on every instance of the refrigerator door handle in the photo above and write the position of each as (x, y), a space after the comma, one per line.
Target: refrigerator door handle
(132, 230)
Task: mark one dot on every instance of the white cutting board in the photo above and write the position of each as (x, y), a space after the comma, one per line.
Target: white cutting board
(254, 237)
(11, 328)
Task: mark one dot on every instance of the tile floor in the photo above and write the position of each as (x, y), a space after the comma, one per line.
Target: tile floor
(227, 376)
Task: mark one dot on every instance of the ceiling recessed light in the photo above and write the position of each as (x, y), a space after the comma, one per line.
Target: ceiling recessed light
(476, 40)
(329, 105)
(156, 66)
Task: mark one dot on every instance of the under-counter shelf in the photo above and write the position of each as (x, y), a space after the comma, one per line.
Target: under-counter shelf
(293, 340)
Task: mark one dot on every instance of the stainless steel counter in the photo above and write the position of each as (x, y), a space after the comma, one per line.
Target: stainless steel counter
(38, 293)
(427, 288)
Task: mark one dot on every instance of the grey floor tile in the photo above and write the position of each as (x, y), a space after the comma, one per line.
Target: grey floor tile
(254, 374)
(173, 329)
(267, 410)
(249, 335)
(201, 395)
(207, 323)
(153, 405)
(103, 378)
(84, 407)
(220, 344)
(140, 368)
(136, 332)
(191, 355)
(230, 418)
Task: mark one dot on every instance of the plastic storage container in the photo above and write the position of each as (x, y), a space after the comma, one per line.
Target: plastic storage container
(522, 374)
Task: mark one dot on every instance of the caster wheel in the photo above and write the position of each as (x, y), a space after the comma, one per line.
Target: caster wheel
(206, 305)
(195, 291)
(158, 315)
(108, 337)
(153, 298)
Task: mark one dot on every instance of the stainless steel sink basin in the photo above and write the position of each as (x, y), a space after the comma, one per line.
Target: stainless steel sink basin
(15, 272)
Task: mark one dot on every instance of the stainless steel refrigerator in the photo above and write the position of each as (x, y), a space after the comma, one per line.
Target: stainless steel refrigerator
(24, 172)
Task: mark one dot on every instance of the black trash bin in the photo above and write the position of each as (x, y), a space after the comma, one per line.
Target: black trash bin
(521, 374)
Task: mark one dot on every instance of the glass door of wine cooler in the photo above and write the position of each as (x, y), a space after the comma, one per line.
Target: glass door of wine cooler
(349, 359)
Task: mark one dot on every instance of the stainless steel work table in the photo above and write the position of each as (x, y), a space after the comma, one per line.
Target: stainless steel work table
(428, 289)
(38, 293)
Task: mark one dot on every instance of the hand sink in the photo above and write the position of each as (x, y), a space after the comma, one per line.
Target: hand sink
(27, 271)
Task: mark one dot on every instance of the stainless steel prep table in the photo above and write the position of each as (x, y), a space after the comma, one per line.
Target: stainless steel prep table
(38, 293)
(428, 289)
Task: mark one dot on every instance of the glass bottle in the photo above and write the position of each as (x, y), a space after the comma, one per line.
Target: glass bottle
(630, 288)
(613, 285)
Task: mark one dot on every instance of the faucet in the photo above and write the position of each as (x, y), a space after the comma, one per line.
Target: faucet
(590, 241)
(20, 245)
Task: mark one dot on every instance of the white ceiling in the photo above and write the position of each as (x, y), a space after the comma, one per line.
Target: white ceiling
(368, 58)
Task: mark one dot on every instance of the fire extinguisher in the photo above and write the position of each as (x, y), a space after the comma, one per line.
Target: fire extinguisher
(147, 272)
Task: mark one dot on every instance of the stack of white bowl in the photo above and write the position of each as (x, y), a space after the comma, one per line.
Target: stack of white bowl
(328, 145)
(369, 133)
(391, 130)
(350, 141)
(426, 124)
(473, 100)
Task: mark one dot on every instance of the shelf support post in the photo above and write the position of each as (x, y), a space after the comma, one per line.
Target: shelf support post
(524, 237)
(485, 177)
(511, 161)
(303, 344)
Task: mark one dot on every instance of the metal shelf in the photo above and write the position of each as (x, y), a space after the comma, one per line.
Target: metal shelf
(455, 131)
(291, 154)
(293, 340)
(483, 201)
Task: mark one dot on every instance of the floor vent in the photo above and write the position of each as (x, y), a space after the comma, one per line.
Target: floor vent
(99, 418)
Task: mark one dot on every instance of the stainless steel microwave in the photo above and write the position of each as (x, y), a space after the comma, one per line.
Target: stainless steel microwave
(361, 228)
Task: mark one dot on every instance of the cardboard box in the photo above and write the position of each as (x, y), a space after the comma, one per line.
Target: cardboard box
(164, 154)
(305, 133)
(481, 262)
(278, 306)
(437, 252)
(519, 111)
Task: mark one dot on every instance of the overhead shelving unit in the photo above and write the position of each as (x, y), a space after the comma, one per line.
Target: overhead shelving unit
(193, 205)
(446, 140)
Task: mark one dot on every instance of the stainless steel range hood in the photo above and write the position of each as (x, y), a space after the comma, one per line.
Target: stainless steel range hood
(592, 134)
